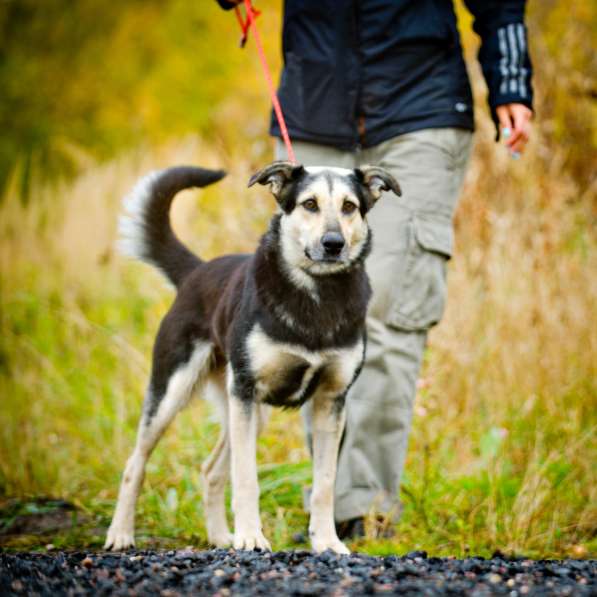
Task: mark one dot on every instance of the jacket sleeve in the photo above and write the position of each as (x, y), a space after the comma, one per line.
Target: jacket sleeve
(504, 54)
(225, 4)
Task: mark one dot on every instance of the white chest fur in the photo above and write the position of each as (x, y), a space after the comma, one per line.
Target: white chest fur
(288, 370)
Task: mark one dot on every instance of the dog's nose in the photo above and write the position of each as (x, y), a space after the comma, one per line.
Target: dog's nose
(333, 243)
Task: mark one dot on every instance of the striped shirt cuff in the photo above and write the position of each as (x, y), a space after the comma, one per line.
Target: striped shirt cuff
(514, 74)
(507, 66)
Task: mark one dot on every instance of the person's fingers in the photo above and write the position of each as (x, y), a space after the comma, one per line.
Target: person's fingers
(515, 137)
(505, 122)
(522, 123)
(510, 133)
(515, 126)
(519, 146)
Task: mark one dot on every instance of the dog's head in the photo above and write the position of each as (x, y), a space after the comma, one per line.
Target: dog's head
(323, 223)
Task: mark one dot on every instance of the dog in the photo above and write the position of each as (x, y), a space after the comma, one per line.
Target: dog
(275, 328)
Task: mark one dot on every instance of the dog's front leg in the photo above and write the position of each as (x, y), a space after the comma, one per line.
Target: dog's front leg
(245, 487)
(328, 423)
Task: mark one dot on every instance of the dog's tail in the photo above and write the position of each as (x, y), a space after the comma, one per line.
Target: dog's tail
(145, 231)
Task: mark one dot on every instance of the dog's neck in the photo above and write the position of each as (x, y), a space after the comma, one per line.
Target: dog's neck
(318, 311)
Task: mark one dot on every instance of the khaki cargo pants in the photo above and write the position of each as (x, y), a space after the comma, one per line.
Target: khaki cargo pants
(412, 242)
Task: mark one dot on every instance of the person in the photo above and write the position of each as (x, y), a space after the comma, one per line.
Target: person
(384, 82)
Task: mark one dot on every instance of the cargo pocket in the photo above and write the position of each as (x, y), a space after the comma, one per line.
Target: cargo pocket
(421, 291)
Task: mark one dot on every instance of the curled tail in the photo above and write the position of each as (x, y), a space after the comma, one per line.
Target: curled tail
(145, 231)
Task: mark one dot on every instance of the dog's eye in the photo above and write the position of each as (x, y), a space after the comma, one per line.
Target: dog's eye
(310, 205)
(348, 207)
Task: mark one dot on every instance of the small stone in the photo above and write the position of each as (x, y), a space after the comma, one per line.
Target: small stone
(17, 586)
(524, 589)
(494, 579)
(417, 554)
(135, 558)
(579, 551)
(562, 571)
(50, 547)
(510, 582)
(87, 562)
(219, 572)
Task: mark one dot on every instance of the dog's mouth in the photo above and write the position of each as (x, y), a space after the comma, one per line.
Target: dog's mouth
(325, 258)
(326, 265)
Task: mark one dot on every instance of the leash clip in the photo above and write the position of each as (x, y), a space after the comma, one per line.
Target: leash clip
(245, 24)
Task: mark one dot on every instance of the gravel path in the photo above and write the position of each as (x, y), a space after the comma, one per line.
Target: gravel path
(222, 572)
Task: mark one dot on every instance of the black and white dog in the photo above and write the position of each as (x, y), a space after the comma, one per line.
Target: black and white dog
(278, 327)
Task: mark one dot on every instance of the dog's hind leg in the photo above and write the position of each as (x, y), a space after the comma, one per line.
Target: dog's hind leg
(216, 468)
(159, 411)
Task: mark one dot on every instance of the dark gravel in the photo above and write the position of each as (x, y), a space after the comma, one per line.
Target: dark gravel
(222, 572)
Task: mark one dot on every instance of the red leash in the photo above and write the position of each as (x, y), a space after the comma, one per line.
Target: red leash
(245, 25)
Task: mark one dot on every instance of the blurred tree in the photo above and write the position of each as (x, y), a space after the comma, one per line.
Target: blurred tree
(89, 78)
(565, 58)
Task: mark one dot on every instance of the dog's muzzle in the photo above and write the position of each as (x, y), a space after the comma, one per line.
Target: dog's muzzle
(331, 249)
(333, 243)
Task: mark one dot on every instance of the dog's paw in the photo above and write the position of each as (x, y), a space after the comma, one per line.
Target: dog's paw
(221, 539)
(252, 540)
(119, 540)
(333, 543)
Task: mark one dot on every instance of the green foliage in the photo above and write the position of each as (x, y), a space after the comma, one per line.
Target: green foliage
(84, 80)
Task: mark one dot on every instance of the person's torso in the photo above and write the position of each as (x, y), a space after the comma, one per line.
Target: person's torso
(360, 71)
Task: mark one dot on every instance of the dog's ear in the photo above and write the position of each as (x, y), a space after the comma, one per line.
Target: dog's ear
(375, 180)
(277, 175)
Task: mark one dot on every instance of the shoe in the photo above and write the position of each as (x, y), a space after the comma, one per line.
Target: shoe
(347, 529)
(378, 527)
(353, 528)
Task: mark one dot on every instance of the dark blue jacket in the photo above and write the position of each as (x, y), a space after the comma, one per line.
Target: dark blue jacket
(358, 72)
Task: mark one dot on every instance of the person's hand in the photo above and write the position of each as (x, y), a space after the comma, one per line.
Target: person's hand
(515, 126)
